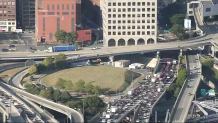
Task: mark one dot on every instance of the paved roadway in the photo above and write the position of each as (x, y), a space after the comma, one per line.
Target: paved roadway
(76, 115)
(189, 92)
(113, 50)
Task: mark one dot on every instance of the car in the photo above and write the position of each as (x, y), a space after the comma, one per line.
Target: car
(93, 48)
(5, 50)
(11, 46)
(137, 121)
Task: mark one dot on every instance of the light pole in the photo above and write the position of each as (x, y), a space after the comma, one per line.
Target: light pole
(83, 111)
(82, 42)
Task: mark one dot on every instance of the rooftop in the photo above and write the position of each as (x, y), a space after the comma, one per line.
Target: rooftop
(207, 2)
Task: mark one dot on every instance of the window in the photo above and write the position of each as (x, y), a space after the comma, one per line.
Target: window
(119, 33)
(124, 15)
(119, 21)
(129, 15)
(72, 24)
(148, 27)
(148, 3)
(133, 3)
(143, 3)
(109, 21)
(109, 27)
(133, 9)
(129, 33)
(138, 10)
(143, 33)
(109, 4)
(153, 3)
(114, 15)
(51, 13)
(138, 32)
(153, 21)
(67, 6)
(138, 15)
(148, 9)
(48, 7)
(53, 6)
(119, 4)
(133, 15)
(114, 10)
(58, 13)
(114, 33)
(72, 13)
(43, 24)
(124, 10)
(153, 9)
(143, 15)
(208, 9)
(124, 33)
(109, 15)
(129, 21)
(153, 15)
(143, 9)
(119, 10)
(133, 33)
(148, 33)
(129, 9)
(109, 33)
(143, 27)
(153, 33)
(114, 27)
(124, 21)
(129, 27)
(133, 21)
(62, 6)
(119, 27)
(124, 4)
(138, 4)
(124, 27)
(65, 13)
(129, 3)
(72, 6)
(119, 15)
(148, 21)
(114, 4)
(148, 15)
(143, 21)
(114, 21)
(109, 10)
(133, 27)
(138, 27)
(153, 27)
(50, 36)
(58, 23)
(138, 21)
(58, 6)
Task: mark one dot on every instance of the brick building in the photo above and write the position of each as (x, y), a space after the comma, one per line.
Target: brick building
(8, 15)
(54, 15)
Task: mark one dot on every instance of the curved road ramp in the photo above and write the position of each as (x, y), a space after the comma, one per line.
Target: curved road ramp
(73, 115)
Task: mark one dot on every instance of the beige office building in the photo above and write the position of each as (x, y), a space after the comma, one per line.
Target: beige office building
(129, 22)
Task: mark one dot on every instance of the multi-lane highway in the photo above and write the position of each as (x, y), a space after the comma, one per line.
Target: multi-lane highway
(76, 116)
(111, 50)
(193, 80)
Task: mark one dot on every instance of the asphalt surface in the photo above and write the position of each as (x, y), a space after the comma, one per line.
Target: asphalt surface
(112, 50)
(77, 118)
(190, 90)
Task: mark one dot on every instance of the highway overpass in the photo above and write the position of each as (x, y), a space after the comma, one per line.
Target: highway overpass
(106, 51)
(187, 92)
(74, 115)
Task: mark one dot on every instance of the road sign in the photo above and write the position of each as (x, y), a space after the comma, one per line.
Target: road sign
(166, 31)
(203, 92)
(211, 92)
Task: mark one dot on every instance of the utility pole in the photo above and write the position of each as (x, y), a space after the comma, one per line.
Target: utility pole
(83, 111)
(155, 116)
(82, 42)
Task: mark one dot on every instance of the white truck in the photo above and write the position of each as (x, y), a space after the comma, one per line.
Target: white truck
(158, 90)
(130, 92)
(108, 116)
(153, 79)
(114, 109)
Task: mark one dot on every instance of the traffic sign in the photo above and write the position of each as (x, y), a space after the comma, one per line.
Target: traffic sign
(166, 31)
(203, 92)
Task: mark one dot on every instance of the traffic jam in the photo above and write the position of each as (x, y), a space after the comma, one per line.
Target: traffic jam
(139, 101)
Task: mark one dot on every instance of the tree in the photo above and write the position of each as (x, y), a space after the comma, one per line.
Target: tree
(60, 35)
(177, 29)
(89, 87)
(76, 46)
(96, 43)
(69, 85)
(40, 67)
(47, 94)
(60, 60)
(57, 95)
(176, 92)
(79, 86)
(75, 104)
(33, 70)
(216, 74)
(177, 19)
(65, 96)
(208, 63)
(60, 83)
(48, 62)
(97, 89)
(93, 104)
(72, 36)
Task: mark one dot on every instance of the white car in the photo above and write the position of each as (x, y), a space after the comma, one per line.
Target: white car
(137, 121)
(93, 48)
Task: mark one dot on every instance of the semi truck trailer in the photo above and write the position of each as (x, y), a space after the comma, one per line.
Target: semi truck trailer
(61, 48)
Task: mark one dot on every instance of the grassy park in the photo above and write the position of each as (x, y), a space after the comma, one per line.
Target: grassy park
(108, 78)
(4, 76)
